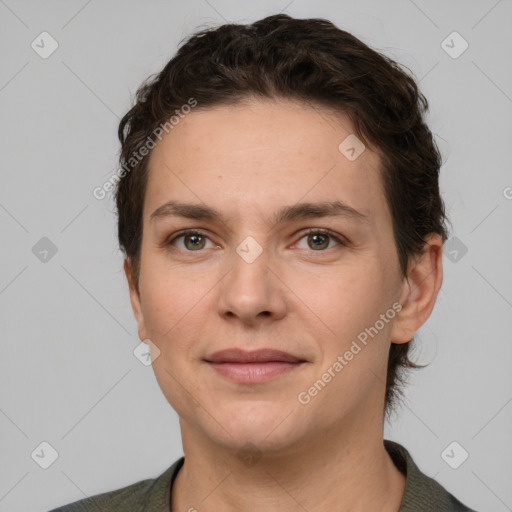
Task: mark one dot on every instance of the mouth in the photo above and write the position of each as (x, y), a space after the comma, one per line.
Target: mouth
(253, 367)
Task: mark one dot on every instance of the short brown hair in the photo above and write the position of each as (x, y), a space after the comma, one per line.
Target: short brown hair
(308, 60)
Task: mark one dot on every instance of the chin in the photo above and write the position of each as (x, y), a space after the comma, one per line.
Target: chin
(254, 442)
(267, 430)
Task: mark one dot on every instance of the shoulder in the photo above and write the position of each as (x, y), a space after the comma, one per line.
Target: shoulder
(127, 496)
(422, 493)
(150, 494)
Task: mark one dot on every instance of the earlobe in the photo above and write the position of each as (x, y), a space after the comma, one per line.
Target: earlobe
(135, 299)
(420, 290)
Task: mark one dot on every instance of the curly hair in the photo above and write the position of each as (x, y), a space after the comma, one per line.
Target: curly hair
(309, 60)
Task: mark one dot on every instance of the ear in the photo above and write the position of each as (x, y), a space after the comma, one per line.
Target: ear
(420, 289)
(135, 299)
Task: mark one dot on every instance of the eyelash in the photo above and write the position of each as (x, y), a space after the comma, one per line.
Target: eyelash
(311, 231)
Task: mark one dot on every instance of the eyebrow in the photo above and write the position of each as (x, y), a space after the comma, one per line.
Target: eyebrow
(285, 214)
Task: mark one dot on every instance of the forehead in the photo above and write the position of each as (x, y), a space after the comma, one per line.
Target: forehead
(260, 154)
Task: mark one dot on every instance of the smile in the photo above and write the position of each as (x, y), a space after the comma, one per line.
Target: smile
(253, 367)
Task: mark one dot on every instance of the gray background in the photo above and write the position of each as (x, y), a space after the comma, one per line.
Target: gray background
(68, 373)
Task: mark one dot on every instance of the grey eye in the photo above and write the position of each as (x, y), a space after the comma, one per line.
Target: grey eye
(318, 241)
(195, 242)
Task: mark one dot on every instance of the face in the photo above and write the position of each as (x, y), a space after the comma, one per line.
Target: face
(250, 256)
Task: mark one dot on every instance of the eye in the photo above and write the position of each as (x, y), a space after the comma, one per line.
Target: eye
(319, 239)
(192, 240)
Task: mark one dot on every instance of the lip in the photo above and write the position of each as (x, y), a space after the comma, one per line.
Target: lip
(265, 355)
(253, 367)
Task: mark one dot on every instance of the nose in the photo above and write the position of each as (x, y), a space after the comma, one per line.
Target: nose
(251, 292)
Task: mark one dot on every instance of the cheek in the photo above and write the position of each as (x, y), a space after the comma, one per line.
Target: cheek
(169, 297)
(173, 315)
(351, 306)
(347, 298)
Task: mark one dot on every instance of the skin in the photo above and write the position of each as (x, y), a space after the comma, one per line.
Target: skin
(248, 161)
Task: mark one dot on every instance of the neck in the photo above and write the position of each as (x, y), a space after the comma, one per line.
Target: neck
(345, 468)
